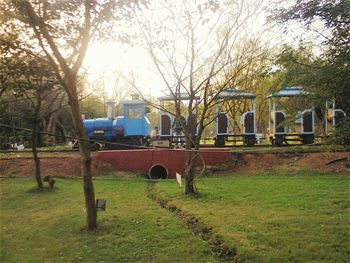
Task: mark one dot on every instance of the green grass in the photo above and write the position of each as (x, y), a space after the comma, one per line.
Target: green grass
(274, 218)
(49, 226)
(300, 218)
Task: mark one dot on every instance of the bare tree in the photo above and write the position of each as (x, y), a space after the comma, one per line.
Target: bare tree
(199, 48)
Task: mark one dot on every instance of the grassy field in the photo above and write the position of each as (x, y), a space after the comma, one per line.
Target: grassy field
(266, 218)
(274, 218)
(49, 226)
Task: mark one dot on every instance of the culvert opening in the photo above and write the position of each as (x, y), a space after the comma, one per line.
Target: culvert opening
(158, 172)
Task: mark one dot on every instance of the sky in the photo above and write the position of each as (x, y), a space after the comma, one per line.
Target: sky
(111, 61)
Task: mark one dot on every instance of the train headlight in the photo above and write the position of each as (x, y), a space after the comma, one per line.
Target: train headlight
(99, 132)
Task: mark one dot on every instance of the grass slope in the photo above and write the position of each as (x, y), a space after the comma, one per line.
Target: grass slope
(49, 226)
(274, 218)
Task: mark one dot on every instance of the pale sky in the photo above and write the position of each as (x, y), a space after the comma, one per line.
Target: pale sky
(106, 60)
(111, 60)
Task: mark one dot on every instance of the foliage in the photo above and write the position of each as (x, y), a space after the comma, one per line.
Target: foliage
(331, 73)
(93, 107)
(59, 33)
(255, 78)
(32, 97)
(341, 133)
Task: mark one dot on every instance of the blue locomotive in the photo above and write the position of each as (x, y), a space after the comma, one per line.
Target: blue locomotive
(133, 128)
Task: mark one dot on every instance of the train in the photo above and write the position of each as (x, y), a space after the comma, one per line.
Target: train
(130, 130)
(133, 128)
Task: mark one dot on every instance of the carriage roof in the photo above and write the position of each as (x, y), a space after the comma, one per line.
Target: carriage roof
(291, 92)
(134, 102)
(183, 96)
(235, 93)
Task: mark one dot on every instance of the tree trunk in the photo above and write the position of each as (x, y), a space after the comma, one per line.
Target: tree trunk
(53, 131)
(62, 130)
(190, 157)
(189, 186)
(84, 147)
(189, 174)
(49, 128)
(35, 156)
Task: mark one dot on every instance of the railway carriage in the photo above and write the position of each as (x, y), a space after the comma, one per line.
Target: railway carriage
(246, 133)
(300, 127)
(170, 127)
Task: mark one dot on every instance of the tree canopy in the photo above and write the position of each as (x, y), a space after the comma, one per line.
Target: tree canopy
(331, 72)
(58, 34)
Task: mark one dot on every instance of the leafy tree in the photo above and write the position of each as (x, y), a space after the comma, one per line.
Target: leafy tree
(59, 33)
(330, 73)
(93, 107)
(37, 94)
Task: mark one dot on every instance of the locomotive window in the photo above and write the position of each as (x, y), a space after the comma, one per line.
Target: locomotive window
(135, 113)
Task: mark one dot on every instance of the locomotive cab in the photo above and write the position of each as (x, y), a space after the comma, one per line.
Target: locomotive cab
(136, 121)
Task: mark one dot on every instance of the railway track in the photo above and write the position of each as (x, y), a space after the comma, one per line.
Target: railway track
(39, 151)
(234, 148)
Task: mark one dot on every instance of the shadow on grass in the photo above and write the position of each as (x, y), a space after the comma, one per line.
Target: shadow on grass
(45, 190)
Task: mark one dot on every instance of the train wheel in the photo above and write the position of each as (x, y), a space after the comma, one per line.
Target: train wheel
(307, 139)
(95, 146)
(249, 141)
(279, 141)
(220, 141)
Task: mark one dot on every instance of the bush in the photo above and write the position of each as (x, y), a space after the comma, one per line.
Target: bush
(341, 134)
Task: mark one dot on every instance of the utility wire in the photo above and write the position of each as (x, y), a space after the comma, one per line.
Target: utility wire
(68, 137)
(100, 141)
(225, 150)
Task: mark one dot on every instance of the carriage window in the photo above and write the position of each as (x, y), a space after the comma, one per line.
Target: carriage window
(135, 113)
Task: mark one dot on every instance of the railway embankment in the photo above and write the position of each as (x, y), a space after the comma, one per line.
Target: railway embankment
(67, 164)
